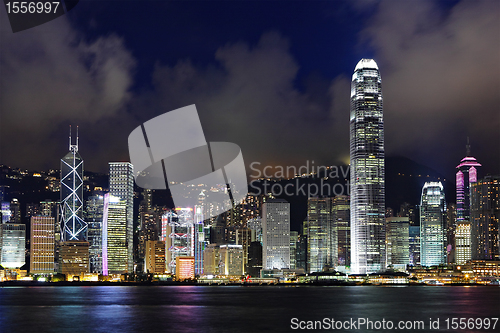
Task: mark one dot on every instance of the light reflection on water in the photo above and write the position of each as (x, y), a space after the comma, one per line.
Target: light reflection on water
(229, 308)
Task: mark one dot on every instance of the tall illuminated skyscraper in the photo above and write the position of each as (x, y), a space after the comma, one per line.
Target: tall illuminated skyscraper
(94, 218)
(432, 224)
(367, 170)
(276, 234)
(466, 176)
(114, 236)
(485, 218)
(121, 184)
(71, 207)
(322, 248)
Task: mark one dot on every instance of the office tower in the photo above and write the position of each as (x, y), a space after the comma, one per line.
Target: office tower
(321, 246)
(294, 238)
(231, 260)
(155, 257)
(71, 206)
(218, 231)
(414, 244)
(32, 209)
(42, 245)
(341, 223)
(255, 225)
(49, 208)
(94, 217)
(148, 231)
(276, 234)
(184, 268)
(367, 170)
(15, 211)
(121, 184)
(432, 224)
(301, 255)
(198, 239)
(177, 232)
(465, 177)
(74, 258)
(115, 258)
(397, 240)
(211, 259)
(462, 242)
(12, 245)
(451, 222)
(254, 259)
(244, 238)
(5, 211)
(409, 211)
(485, 217)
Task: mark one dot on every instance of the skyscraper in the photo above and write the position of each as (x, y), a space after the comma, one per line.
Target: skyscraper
(466, 176)
(397, 239)
(155, 257)
(462, 242)
(485, 218)
(72, 224)
(114, 236)
(12, 245)
(42, 245)
(121, 184)
(340, 222)
(432, 224)
(367, 170)
(276, 234)
(93, 216)
(321, 245)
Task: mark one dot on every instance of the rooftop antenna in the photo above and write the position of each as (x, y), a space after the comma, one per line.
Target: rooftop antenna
(73, 147)
(467, 147)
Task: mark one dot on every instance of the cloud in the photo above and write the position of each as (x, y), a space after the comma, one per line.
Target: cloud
(248, 96)
(441, 78)
(52, 76)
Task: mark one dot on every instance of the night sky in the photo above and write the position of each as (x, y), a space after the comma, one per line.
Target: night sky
(270, 76)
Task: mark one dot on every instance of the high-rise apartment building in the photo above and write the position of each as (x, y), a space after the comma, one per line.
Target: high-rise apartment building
(276, 234)
(71, 206)
(432, 224)
(42, 245)
(367, 170)
(485, 217)
(121, 184)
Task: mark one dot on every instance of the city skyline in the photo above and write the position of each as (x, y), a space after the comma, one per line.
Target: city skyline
(131, 85)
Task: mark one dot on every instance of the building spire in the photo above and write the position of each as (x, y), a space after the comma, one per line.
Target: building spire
(73, 147)
(467, 148)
